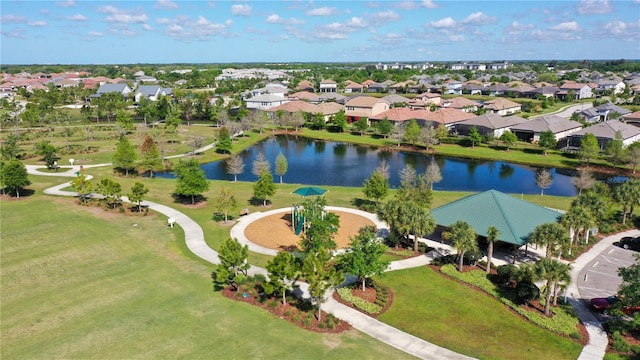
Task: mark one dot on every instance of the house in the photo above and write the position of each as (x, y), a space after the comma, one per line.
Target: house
(305, 96)
(448, 117)
(502, 106)
(452, 87)
(461, 103)
(615, 85)
(545, 91)
(352, 87)
(333, 97)
(472, 88)
(328, 85)
(265, 101)
(491, 124)
(151, 92)
(270, 90)
(376, 88)
(429, 98)
(364, 107)
(632, 118)
(560, 127)
(606, 131)
(146, 78)
(495, 90)
(396, 100)
(123, 89)
(305, 85)
(579, 90)
(602, 112)
(402, 114)
(328, 110)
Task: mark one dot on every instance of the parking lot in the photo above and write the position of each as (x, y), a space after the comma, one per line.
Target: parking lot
(600, 277)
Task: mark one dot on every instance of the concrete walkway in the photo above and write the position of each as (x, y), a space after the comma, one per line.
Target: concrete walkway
(194, 238)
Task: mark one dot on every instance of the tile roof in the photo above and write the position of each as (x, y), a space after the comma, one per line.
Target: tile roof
(364, 101)
(553, 123)
(608, 130)
(493, 121)
(514, 218)
(500, 104)
(402, 114)
(304, 95)
(449, 116)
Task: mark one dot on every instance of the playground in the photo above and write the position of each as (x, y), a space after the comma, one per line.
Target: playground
(275, 231)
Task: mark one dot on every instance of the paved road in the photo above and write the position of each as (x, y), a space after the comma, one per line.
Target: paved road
(566, 112)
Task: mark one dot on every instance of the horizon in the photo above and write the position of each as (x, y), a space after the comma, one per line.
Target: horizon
(78, 32)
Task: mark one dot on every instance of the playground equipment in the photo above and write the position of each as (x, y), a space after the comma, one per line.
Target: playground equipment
(297, 219)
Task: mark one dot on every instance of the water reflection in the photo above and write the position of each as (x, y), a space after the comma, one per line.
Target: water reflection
(331, 163)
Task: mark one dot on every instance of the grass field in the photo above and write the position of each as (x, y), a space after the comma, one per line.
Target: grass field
(79, 283)
(454, 316)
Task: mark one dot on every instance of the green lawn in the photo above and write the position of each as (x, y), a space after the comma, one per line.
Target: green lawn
(77, 283)
(456, 317)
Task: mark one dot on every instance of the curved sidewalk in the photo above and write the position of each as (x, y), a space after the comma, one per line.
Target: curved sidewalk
(194, 238)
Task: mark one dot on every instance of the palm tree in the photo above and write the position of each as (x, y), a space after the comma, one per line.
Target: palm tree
(554, 273)
(407, 218)
(463, 238)
(577, 219)
(551, 235)
(492, 235)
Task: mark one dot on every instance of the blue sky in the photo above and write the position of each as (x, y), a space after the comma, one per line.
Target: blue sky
(168, 31)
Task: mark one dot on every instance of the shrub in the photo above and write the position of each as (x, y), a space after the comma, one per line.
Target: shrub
(507, 273)
(370, 308)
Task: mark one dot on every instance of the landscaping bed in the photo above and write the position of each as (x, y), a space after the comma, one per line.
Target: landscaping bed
(296, 311)
(374, 300)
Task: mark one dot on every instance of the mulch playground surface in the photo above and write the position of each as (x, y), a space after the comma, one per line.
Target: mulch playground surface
(275, 231)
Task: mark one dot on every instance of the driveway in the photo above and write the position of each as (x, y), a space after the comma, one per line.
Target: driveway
(599, 278)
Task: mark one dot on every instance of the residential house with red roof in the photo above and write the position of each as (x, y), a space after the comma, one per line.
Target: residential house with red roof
(364, 107)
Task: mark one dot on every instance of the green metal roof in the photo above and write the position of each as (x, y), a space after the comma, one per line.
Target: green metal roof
(514, 218)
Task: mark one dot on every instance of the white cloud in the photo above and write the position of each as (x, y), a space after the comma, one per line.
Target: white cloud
(323, 11)
(333, 31)
(77, 17)
(380, 18)
(166, 5)
(594, 7)
(241, 10)
(428, 4)
(147, 27)
(37, 23)
(17, 33)
(516, 28)
(109, 9)
(621, 30)
(183, 28)
(128, 18)
(68, 3)
(479, 18)
(406, 5)
(456, 38)
(390, 39)
(228, 22)
(567, 26)
(443, 23)
(12, 19)
(277, 19)
(95, 33)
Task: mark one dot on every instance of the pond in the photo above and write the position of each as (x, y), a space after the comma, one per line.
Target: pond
(316, 162)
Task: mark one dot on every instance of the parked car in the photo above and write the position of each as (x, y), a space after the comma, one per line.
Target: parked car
(632, 243)
(603, 305)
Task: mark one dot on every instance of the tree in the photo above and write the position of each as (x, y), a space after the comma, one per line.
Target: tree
(429, 137)
(633, 155)
(340, 121)
(384, 127)
(597, 202)
(589, 148)
(627, 195)
(383, 167)
(547, 141)
(111, 190)
(577, 219)
(195, 142)
(320, 226)
(320, 276)
(82, 186)
(190, 179)
(376, 186)
(264, 187)
(363, 257)
(629, 289)
(554, 273)
(463, 238)
(224, 143)
(150, 160)
(283, 271)
(407, 218)
(432, 173)
(235, 166)
(492, 236)
(584, 180)
(615, 149)
(281, 165)
(9, 149)
(48, 153)
(14, 176)
(225, 202)
(412, 132)
(317, 121)
(138, 191)
(509, 139)
(551, 235)
(233, 264)
(361, 125)
(543, 179)
(124, 119)
(260, 164)
(474, 136)
(125, 156)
